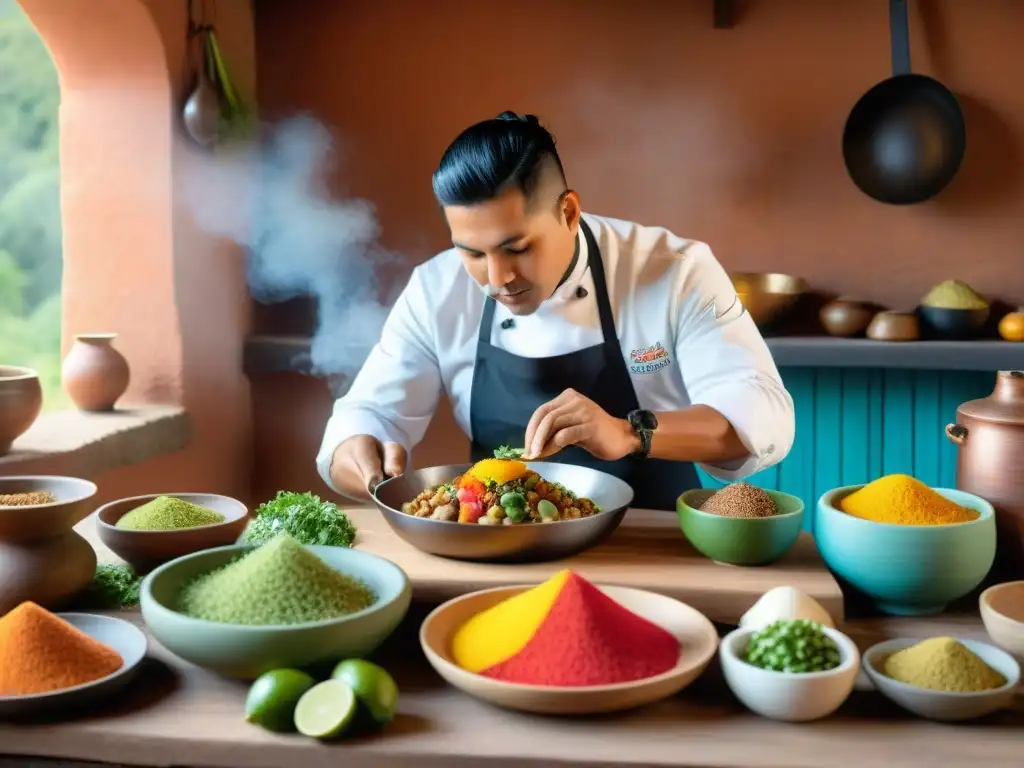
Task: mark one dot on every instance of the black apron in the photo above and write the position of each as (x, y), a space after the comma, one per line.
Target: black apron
(507, 389)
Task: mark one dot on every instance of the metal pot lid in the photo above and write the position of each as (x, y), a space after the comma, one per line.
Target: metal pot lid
(1004, 406)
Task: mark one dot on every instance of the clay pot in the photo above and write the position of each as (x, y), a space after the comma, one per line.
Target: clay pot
(41, 558)
(21, 399)
(95, 374)
(846, 317)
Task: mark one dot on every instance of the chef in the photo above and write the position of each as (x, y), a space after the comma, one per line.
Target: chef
(580, 338)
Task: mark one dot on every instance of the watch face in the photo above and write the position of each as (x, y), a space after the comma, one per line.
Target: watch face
(643, 420)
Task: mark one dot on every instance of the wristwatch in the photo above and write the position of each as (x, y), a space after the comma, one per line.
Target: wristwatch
(643, 423)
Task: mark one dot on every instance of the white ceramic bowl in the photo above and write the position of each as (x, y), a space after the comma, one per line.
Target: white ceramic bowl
(788, 696)
(940, 705)
(1002, 611)
(123, 636)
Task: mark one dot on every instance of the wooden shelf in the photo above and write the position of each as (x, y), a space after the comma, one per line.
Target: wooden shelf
(277, 354)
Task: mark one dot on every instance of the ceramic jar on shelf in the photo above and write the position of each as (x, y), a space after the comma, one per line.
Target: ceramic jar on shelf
(94, 373)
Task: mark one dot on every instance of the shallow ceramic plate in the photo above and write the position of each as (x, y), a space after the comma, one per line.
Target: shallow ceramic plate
(124, 637)
(940, 705)
(697, 637)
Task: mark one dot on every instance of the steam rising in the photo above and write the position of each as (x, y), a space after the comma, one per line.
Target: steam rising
(271, 198)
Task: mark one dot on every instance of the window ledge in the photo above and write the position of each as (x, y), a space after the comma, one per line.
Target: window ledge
(87, 444)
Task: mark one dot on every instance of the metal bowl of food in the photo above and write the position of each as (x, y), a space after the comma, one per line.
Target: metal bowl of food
(768, 296)
(590, 505)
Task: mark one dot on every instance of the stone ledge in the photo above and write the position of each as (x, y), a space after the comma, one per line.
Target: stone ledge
(87, 444)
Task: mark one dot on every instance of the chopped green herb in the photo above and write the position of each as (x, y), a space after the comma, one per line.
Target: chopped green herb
(504, 452)
(793, 645)
(305, 517)
(112, 587)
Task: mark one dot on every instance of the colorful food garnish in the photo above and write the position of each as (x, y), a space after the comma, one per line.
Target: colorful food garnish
(500, 491)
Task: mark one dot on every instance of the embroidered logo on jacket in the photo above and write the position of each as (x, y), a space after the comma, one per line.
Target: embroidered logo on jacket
(649, 359)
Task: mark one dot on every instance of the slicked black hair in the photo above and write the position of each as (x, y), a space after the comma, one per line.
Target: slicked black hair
(486, 159)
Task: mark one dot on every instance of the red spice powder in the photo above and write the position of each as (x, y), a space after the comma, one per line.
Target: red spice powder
(589, 639)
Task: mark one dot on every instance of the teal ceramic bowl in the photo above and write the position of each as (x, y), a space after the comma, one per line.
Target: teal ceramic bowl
(246, 652)
(740, 540)
(908, 570)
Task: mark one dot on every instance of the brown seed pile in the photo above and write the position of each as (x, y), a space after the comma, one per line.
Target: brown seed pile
(26, 499)
(740, 500)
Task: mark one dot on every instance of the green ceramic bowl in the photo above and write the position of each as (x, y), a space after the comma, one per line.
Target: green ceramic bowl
(740, 540)
(246, 652)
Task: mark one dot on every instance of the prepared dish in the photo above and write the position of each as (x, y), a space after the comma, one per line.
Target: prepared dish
(500, 491)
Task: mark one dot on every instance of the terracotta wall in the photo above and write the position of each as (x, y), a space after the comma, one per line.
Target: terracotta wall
(731, 136)
(134, 261)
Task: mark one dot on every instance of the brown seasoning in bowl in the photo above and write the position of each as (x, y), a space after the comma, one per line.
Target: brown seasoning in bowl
(26, 499)
(740, 500)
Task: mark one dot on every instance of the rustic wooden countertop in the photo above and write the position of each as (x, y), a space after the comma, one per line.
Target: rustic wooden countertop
(178, 715)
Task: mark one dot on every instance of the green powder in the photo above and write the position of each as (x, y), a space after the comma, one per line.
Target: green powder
(166, 513)
(281, 582)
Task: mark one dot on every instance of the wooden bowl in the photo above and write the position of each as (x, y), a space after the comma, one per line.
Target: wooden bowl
(145, 550)
(846, 318)
(894, 326)
(768, 296)
(697, 637)
(36, 522)
(21, 400)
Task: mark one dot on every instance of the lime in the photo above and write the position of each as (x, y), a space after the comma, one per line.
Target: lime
(374, 687)
(325, 710)
(273, 696)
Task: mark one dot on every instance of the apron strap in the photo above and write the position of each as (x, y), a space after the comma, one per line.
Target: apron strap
(486, 321)
(595, 263)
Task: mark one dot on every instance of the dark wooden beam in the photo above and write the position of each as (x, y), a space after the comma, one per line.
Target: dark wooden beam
(724, 13)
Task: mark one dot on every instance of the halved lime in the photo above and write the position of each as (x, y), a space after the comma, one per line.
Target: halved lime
(373, 686)
(325, 710)
(272, 698)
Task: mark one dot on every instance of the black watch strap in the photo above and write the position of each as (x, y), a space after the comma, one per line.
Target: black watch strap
(643, 423)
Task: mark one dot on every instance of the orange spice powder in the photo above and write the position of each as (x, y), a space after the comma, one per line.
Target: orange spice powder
(42, 653)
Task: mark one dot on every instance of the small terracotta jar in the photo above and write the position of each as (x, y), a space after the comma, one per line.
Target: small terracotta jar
(94, 374)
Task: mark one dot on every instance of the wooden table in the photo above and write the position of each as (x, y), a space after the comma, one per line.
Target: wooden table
(178, 715)
(647, 551)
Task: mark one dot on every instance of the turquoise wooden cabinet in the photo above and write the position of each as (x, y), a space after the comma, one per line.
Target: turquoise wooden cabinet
(856, 424)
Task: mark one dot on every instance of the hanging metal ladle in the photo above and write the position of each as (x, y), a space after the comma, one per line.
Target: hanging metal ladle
(202, 110)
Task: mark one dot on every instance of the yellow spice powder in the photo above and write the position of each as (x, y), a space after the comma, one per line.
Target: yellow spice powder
(942, 664)
(904, 500)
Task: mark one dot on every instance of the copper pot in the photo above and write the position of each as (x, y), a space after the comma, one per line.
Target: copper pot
(990, 463)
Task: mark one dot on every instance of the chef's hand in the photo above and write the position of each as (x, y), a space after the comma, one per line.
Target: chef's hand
(572, 419)
(361, 462)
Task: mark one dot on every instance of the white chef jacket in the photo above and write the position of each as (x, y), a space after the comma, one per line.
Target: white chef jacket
(685, 336)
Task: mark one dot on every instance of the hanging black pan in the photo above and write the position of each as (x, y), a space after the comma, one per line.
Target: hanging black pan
(905, 139)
